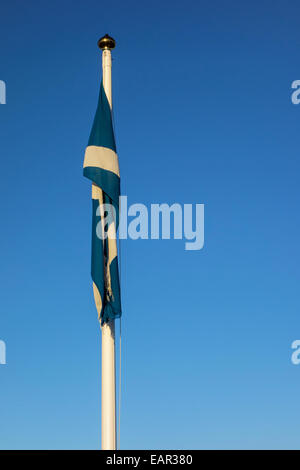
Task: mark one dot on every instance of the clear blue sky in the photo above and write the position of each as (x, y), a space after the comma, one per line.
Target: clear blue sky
(203, 115)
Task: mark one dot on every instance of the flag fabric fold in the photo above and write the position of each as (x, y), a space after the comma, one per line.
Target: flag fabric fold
(101, 166)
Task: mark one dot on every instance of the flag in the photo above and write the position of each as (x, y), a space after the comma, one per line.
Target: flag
(101, 166)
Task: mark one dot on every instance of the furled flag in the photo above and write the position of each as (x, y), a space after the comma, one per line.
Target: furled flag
(102, 167)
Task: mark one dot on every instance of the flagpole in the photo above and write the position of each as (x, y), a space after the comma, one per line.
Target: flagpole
(108, 381)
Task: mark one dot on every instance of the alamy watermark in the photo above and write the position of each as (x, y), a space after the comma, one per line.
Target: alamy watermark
(295, 357)
(2, 92)
(159, 221)
(2, 352)
(295, 97)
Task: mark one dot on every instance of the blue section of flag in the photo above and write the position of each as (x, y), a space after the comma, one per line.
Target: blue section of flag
(104, 265)
(108, 181)
(111, 300)
(102, 134)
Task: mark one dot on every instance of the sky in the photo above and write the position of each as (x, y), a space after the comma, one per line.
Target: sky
(203, 115)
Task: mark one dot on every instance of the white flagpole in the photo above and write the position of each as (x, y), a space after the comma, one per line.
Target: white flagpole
(108, 396)
(108, 401)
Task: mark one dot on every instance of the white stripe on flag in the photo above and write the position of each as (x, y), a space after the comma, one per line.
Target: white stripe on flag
(101, 157)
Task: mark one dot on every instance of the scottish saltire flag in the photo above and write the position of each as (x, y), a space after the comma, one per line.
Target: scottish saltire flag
(102, 167)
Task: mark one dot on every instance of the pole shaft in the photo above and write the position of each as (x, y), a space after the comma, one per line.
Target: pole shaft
(108, 397)
(106, 68)
(108, 402)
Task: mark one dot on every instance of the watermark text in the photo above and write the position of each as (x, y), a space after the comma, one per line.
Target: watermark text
(2, 352)
(295, 97)
(2, 92)
(159, 221)
(295, 358)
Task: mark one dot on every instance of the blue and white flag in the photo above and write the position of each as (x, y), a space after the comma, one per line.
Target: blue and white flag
(102, 167)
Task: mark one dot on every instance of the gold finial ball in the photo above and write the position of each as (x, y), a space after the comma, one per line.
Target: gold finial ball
(106, 42)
